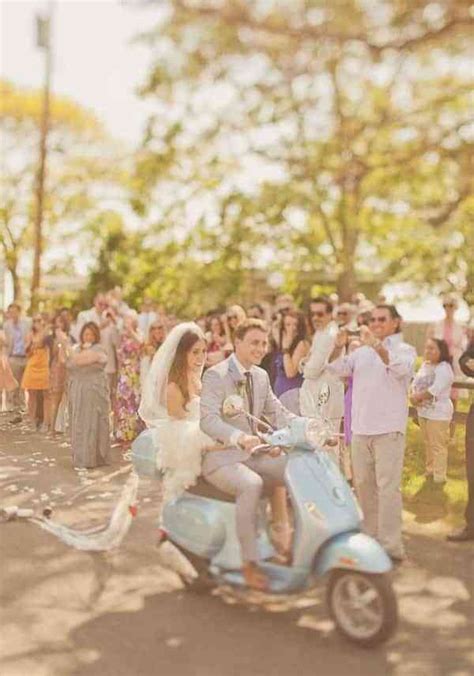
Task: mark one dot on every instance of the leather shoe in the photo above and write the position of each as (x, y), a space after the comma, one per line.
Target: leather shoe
(463, 535)
(254, 577)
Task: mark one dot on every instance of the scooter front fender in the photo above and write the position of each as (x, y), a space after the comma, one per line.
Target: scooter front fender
(352, 551)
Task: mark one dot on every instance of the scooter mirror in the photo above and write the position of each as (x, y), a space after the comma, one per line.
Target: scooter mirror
(233, 406)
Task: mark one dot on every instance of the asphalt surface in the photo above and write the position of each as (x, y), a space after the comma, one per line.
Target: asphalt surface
(125, 613)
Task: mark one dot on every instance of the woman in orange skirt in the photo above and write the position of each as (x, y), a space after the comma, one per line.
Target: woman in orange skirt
(36, 376)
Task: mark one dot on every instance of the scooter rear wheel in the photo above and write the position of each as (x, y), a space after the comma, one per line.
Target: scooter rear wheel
(363, 606)
(203, 582)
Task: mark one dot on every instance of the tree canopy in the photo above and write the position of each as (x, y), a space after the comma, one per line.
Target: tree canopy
(82, 172)
(329, 142)
(330, 139)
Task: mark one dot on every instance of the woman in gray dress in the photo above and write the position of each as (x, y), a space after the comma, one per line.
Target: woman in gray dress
(88, 400)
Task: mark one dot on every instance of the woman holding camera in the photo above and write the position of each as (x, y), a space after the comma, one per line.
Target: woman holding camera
(293, 347)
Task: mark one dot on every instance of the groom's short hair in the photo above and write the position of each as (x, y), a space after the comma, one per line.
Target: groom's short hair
(249, 325)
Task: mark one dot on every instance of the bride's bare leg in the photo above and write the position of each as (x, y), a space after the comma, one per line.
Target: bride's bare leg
(281, 527)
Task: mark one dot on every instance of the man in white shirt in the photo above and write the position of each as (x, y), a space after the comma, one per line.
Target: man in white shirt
(94, 314)
(315, 370)
(146, 317)
(382, 369)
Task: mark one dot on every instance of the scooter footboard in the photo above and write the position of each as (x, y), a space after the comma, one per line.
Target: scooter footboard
(352, 551)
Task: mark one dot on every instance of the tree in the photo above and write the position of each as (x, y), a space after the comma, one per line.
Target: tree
(84, 167)
(354, 121)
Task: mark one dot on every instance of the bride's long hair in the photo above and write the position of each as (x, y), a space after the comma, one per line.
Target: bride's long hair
(179, 368)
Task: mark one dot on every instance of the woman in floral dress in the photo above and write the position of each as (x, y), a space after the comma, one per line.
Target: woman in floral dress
(129, 354)
(59, 342)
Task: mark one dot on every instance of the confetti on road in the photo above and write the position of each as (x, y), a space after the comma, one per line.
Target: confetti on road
(311, 622)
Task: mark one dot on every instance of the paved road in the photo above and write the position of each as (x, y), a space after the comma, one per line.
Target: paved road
(69, 613)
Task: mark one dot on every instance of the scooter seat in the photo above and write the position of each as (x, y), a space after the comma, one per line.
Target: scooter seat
(207, 490)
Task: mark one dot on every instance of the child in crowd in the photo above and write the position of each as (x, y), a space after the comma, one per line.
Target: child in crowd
(430, 393)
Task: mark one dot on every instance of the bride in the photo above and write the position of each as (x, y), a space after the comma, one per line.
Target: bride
(170, 406)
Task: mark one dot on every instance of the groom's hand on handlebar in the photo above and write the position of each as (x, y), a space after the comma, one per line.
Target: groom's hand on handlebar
(248, 442)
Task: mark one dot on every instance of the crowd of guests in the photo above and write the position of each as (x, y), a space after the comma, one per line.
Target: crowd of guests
(87, 373)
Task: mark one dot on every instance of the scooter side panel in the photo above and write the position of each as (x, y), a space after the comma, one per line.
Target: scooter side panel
(143, 455)
(352, 551)
(323, 503)
(195, 523)
(207, 528)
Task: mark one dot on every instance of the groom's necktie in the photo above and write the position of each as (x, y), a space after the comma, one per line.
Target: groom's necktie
(249, 392)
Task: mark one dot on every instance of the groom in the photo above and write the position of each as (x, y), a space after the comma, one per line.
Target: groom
(234, 469)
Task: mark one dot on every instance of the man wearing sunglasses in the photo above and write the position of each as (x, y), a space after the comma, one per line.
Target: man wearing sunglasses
(382, 368)
(314, 365)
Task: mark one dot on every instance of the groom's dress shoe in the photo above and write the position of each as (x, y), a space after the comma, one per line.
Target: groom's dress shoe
(254, 577)
(463, 535)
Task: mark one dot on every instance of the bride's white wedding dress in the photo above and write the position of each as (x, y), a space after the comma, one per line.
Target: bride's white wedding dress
(179, 443)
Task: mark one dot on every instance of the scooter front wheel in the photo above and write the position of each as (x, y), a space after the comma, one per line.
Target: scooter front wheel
(363, 606)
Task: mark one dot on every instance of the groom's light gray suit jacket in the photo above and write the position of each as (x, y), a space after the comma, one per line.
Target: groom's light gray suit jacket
(219, 382)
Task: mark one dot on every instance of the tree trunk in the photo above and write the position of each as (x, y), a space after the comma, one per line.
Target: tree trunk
(17, 287)
(346, 284)
(347, 278)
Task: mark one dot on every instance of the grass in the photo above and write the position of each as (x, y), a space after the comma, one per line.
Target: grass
(429, 501)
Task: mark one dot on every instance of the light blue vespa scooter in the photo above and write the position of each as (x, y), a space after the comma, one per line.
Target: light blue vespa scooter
(327, 538)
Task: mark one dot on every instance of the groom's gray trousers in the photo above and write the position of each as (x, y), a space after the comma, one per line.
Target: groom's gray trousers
(246, 481)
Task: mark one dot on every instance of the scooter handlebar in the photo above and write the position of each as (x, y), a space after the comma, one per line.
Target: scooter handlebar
(262, 448)
(297, 433)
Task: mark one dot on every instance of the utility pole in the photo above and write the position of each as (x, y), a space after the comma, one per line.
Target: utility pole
(43, 42)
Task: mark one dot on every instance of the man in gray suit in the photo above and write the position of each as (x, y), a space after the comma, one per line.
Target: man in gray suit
(234, 469)
(16, 330)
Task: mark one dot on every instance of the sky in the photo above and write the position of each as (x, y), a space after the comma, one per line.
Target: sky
(95, 61)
